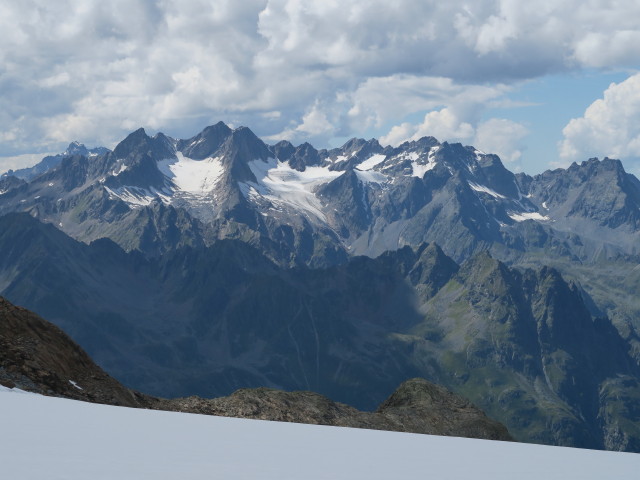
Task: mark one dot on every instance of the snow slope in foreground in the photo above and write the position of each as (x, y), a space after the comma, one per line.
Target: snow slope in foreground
(43, 437)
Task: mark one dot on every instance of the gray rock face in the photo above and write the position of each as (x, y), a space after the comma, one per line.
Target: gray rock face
(596, 201)
(206, 143)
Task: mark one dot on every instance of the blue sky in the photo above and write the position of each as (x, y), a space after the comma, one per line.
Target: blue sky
(541, 83)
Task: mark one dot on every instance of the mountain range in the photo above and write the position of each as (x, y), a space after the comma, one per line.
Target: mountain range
(218, 262)
(304, 206)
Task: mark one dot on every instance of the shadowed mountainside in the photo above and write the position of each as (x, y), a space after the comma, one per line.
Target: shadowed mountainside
(37, 356)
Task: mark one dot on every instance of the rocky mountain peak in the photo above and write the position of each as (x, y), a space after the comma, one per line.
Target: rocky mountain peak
(283, 150)
(422, 144)
(353, 145)
(418, 392)
(76, 148)
(138, 144)
(498, 177)
(432, 270)
(206, 143)
(242, 147)
(305, 155)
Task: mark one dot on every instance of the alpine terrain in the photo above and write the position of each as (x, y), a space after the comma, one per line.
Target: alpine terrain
(203, 265)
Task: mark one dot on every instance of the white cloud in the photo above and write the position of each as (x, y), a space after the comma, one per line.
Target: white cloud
(398, 134)
(497, 135)
(601, 50)
(444, 124)
(455, 122)
(315, 123)
(93, 70)
(610, 126)
(502, 137)
(21, 161)
(376, 101)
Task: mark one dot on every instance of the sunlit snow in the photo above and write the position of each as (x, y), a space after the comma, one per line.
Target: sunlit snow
(121, 168)
(485, 189)
(44, 437)
(137, 196)
(197, 177)
(281, 184)
(521, 217)
(418, 169)
(75, 385)
(371, 176)
(371, 162)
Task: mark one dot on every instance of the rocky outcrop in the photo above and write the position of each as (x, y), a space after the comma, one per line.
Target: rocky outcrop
(417, 406)
(39, 357)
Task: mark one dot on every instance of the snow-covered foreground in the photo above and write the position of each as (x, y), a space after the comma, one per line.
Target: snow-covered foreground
(42, 437)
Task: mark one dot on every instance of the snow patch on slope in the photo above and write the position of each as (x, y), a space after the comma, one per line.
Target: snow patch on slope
(197, 177)
(282, 185)
(138, 197)
(521, 217)
(371, 176)
(75, 385)
(371, 162)
(120, 169)
(485, 189)
(419, 169)
(338, 159)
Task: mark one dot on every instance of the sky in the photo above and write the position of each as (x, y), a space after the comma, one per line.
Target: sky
(541, 83)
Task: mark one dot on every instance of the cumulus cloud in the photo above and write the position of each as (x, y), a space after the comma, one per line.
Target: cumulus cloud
(19, 161)
(315, 123)
(497, 135)
(610, 126)
(502, 137)
(307, 70)
(443, 124)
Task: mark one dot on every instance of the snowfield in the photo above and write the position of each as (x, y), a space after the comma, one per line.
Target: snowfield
(43, 437)
(281, 184)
